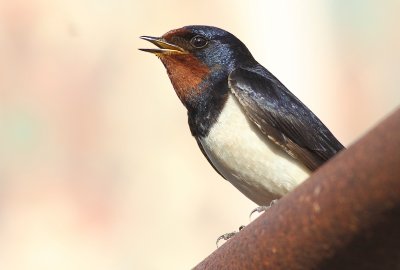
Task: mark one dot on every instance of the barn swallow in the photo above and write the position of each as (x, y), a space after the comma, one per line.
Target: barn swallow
(250, 127)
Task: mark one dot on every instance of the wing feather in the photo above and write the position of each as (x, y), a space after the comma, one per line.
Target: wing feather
(282, 117)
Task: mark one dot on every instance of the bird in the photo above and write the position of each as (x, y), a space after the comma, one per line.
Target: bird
(252, 130)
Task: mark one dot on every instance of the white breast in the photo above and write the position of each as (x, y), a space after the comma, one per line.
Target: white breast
(251, 162)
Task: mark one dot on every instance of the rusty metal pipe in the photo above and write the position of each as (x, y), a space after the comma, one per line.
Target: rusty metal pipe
(345, 216)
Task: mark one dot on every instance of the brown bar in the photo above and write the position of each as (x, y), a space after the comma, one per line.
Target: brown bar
(345, 216)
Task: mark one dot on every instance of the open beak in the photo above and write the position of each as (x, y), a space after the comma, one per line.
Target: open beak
(163, 46)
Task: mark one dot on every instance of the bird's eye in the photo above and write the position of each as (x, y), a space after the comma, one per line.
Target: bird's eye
(199, 42)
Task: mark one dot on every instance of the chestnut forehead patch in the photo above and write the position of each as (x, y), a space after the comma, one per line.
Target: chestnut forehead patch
(178, 36)
(175, 32)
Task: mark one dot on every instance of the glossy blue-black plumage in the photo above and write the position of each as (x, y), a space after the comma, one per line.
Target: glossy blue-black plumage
(224, 50)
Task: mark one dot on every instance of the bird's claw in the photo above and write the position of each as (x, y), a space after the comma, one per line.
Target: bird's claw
(263, 208)
(227, 236)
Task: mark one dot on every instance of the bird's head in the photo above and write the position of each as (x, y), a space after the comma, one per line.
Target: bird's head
(197, 56)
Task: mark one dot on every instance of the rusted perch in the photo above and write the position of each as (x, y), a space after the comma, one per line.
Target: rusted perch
(346, 216)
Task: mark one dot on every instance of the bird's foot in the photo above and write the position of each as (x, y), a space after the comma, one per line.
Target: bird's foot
(259, 209)
(263, 208)
(227, 236)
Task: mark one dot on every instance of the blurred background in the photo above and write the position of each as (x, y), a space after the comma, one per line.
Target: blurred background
(98, 169)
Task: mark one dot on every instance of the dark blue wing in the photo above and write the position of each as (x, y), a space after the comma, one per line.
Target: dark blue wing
(282, 117)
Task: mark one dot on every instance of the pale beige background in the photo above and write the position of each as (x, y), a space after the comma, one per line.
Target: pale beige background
(97, 166)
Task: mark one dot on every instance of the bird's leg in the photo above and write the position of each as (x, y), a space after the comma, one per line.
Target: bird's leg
(227, 236)
(263, 208)
(259, 209)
